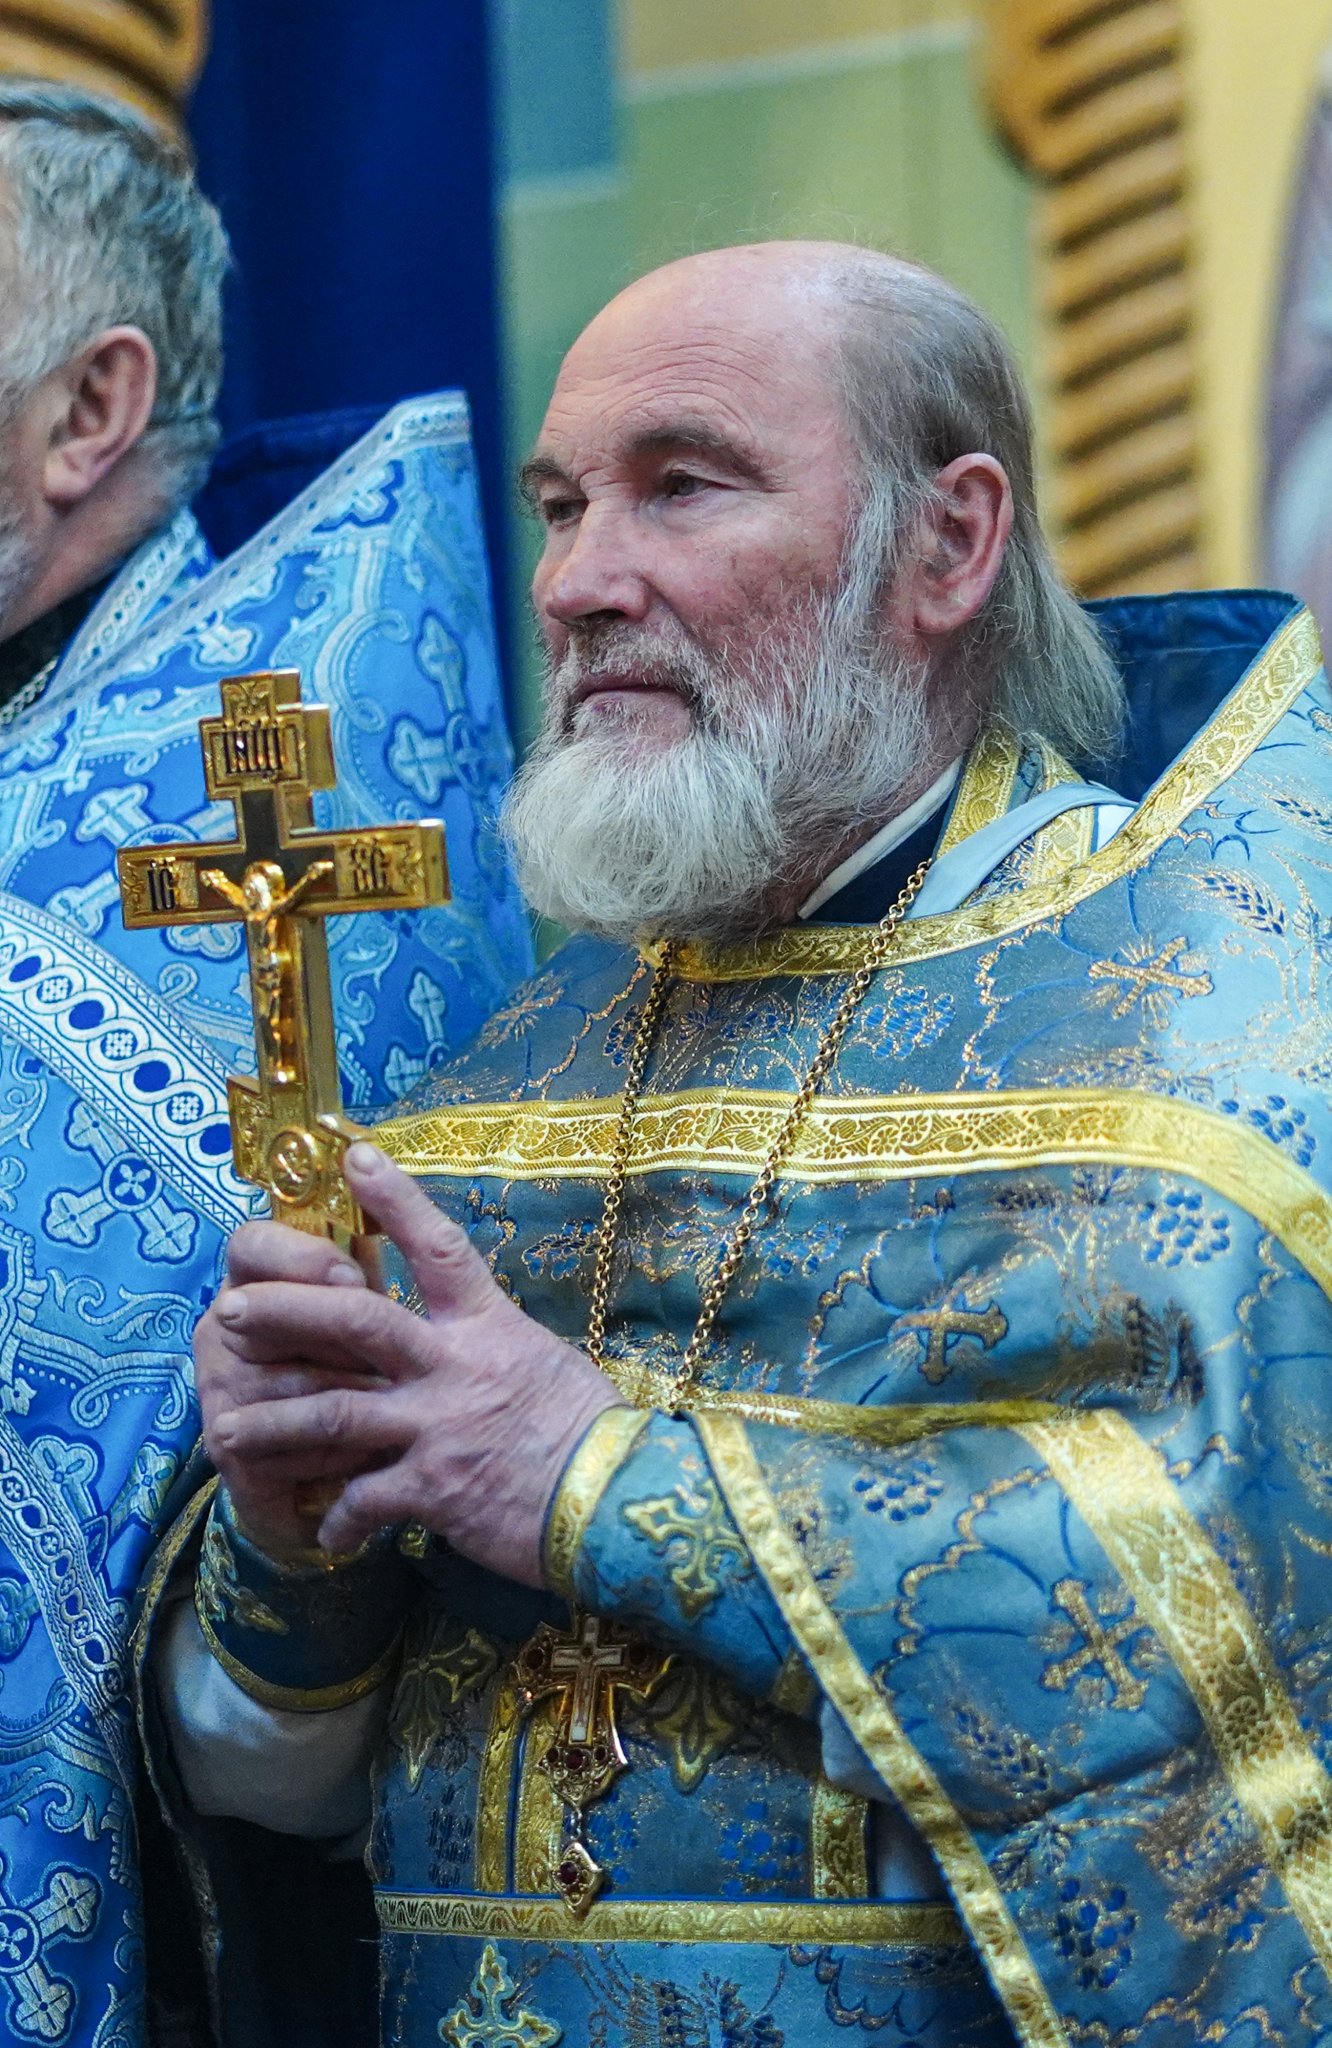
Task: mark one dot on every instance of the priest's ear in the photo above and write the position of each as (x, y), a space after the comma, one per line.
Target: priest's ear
(964, 533)
(97, 408)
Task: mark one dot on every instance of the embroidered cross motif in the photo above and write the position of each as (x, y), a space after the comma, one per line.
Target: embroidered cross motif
(40, 2006)
(939, 1329)
(281, 877)
(128, 1186)
(1100, 1649)
(691, 1526)
(585, 1669)
(1148, 978)
(482, 2020)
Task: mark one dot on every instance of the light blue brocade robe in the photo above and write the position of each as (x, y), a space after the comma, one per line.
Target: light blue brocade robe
(993, 1553)
(116, 1190)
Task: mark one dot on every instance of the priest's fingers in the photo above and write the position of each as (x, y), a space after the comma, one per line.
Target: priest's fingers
(450, 1273)
(344, 1424)
(387, 1496)
(343, 1329)
(273, 1251)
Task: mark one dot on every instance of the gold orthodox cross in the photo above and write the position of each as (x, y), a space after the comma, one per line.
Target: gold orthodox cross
(585, 1667)
(281, 877)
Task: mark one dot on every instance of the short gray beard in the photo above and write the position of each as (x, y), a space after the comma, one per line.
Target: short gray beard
(795, 748)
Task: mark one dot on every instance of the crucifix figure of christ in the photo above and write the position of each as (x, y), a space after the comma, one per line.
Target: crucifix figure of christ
(585, 1667)
(281, 877)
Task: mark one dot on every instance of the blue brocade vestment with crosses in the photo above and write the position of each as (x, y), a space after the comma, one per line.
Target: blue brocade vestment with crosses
(116, 1190)
(993, 1552)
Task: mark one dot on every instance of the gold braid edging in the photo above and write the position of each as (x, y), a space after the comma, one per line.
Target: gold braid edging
(985, 790)
(838, 1842)
(1122, 1490)
(293, 1699)
(874, 1138)
(589, 1472)
(810, 1922)
(874, 1726)
(495, 1790)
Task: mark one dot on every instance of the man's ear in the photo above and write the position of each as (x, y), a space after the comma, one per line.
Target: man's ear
(965, 533)
(101, 403)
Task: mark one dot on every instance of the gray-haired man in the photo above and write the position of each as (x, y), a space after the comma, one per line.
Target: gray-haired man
(116, 1186)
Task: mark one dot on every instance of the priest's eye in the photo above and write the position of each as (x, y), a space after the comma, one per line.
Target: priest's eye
(559, 511)
(682, 483)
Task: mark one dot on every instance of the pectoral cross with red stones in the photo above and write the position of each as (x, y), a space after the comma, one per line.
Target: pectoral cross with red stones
(585, 1668)
(281, 876)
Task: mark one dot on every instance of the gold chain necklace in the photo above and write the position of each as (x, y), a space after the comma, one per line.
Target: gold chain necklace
(686, 1375)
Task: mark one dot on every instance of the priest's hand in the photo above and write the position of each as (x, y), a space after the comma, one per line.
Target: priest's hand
(462, 1420)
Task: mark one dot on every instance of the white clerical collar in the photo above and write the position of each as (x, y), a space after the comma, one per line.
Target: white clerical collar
(892, 834)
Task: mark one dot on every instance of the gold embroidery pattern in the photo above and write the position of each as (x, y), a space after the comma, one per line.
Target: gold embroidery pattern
(796, 1689)
(880, 1736)
(487, 2019)
(1123, 1491)
(495, 1789)
(429, 1686)
(1061, 845)
(838, 1831)
(777, 1922)
(872, 1138)
(1099, 1641)
(1279, 676)
(219, 1595)
(690, 1528)
(538, 1826)
(290, 1699)
(985, 790)
(695, 1715)
(589, 1472)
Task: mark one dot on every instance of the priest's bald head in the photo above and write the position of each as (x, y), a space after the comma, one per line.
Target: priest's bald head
(792, 564)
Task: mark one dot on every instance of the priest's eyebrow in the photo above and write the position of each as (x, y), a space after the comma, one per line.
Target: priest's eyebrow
(685, 436)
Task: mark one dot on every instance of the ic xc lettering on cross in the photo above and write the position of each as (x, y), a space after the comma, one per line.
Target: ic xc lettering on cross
(281, 877)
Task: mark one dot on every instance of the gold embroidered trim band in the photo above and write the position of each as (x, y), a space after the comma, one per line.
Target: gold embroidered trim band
(904, 1423)
(1282, 672)
(838, 1842)
(290, 1699)
(874, 1726)
(871, 1138)
(586, 1477)
(168, 1553)
(985, 790)
(779, 1922)
(495, 1791)
(1122, 1490)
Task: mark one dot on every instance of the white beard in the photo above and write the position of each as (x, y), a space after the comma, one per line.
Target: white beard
(704, 838)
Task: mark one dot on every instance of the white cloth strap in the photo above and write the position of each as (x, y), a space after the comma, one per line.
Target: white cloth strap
(958, 874)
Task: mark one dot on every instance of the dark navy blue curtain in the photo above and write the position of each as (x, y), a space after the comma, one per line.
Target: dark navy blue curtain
(349, 144)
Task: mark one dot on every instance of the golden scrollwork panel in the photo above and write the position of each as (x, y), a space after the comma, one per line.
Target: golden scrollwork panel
(145, 52)
(1091, 95)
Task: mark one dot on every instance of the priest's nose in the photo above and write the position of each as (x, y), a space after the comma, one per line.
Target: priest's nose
(591, 569)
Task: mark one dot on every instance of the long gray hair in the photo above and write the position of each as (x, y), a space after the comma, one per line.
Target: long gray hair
(926, 376)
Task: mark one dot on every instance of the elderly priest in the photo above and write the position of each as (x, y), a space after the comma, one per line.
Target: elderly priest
(837, 1491)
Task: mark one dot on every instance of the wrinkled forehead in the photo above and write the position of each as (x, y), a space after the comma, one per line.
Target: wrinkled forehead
(756, 366)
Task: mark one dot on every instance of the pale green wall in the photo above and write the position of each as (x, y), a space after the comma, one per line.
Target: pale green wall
(880, 137)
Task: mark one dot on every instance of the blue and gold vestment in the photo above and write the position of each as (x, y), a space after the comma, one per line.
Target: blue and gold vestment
(116, 1190)
(992, 1555)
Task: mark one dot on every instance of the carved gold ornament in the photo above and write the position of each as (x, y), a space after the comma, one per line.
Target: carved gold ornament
(1093, 101)
(145, 52)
